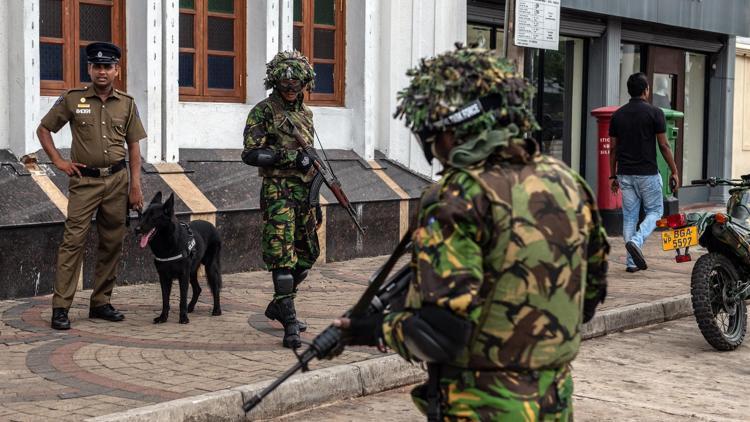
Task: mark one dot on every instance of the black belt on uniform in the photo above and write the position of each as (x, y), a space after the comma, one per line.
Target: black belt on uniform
(102, 171)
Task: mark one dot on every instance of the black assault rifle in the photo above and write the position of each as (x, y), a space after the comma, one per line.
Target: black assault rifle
(379, 294)
(326, 176)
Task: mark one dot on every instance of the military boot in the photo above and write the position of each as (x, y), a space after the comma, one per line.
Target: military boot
(289, 321)
(285, 282)
(274, 313)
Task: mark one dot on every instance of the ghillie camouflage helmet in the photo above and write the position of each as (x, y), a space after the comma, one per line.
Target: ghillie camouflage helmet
(442, 89)
(289, 65)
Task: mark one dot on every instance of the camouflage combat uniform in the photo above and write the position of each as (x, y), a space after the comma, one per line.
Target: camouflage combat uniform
(509, 240)
(289, 241)
(512, 247)
(289, 237)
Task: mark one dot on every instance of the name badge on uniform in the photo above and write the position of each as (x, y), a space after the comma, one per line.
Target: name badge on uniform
(82, 105)
(83, 111)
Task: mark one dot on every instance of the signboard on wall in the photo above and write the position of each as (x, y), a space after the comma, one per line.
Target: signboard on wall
(537, 24)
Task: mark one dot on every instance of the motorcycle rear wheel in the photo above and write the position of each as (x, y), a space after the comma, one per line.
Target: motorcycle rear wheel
(723, 329)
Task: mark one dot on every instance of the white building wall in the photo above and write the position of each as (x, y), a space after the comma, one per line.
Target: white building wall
(383, 40)
(23, 76)
(4, 87)
(410, 30)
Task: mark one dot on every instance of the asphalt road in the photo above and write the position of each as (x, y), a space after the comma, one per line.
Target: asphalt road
(664, 372)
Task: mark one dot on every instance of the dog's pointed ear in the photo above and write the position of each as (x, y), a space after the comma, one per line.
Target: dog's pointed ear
(157, 198)
(169, 205)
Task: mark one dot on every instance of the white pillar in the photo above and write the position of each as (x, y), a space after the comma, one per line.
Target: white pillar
(23, 75)
(286, 26)
(362, 73)
(409, 31)
(371, 66)
(170, 80)
(263, 17)
(450, 24)
(395, 56)
(144, 46)
(4, 88)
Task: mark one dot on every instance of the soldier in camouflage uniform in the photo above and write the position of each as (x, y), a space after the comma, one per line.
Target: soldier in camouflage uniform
(509, 246)
(289, 239)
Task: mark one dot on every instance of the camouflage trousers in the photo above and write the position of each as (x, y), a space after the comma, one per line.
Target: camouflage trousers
(503, 396)
(290, 238)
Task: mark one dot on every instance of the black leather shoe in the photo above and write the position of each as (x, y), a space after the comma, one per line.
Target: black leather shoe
(632, 269)
(107, 312)
(273, 313)
(60, 319)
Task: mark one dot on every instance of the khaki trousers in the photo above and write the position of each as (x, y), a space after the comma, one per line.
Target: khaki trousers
(108, 197)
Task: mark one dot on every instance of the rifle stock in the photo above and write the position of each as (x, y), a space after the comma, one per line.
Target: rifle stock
(328, 178)
(379, 294)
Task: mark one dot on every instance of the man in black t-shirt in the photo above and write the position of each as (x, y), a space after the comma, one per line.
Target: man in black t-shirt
(633, 130)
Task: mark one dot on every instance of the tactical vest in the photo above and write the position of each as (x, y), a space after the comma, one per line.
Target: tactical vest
(534, 268)
(281, 134)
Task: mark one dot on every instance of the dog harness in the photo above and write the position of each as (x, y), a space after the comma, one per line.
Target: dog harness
(186, 252)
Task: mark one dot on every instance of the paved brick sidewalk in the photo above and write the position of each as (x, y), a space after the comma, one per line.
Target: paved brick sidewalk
(100, 367)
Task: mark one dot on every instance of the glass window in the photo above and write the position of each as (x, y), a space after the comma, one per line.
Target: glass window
(630, 62)
(558, 104)
(693, 130)
(319, 34)
(212, 60)
(485, 36)
(664, 94)
(479, 35)
(64, 35)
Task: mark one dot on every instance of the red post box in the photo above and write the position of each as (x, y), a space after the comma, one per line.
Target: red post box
(610, 204)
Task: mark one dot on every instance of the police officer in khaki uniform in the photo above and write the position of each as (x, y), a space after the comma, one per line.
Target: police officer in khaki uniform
(102, 120)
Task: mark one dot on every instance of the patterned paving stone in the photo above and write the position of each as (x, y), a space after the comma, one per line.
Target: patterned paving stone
(100, 367)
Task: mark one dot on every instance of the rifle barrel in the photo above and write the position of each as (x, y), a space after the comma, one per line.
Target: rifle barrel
(306, 357)
(328, 340)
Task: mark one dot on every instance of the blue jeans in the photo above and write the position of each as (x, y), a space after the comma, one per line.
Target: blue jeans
(637, 190)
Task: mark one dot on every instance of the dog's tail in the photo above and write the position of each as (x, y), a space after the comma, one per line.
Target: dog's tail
(212, 263)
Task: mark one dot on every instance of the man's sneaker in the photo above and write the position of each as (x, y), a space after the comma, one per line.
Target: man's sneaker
(637, 255)
(60, 319)
(107, 312)
(274, 313)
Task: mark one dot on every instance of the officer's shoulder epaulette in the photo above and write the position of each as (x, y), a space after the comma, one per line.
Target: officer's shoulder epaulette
(65, 94)
(74, 90)
(124, 93)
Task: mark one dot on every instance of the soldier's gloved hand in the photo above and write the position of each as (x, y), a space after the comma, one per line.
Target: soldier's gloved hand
(589, 305)
(362, 331)
(304, 161)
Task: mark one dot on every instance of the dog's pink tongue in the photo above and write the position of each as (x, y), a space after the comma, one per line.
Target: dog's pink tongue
(146, 237)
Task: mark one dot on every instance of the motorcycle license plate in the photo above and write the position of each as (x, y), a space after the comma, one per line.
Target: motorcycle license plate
(680, 238)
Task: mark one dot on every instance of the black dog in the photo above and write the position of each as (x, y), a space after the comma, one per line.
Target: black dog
(179, 249)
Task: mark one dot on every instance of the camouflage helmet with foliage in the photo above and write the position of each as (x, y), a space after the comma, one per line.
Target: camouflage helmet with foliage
(289, 65)
(441, 85)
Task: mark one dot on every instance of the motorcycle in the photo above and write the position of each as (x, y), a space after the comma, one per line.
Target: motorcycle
(720, 280)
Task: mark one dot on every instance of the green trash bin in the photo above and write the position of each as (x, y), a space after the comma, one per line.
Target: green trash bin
(671, 204)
